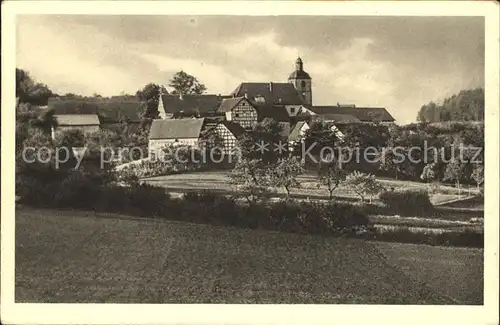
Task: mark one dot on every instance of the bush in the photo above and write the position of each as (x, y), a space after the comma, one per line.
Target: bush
(407, 202)
(77, 191)
(148, 200)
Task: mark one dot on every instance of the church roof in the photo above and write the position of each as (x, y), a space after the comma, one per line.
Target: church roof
(278, 93)
(299, 74)
(364, 114)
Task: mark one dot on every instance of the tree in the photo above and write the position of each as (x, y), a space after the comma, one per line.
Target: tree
(363, 184)
(251, 178)
(454, 172)
(478, 175)
(285, 172)
(29, 91)
(149, 95)
(264, 142)
(186, 84)
(330, 174)
(428, 174)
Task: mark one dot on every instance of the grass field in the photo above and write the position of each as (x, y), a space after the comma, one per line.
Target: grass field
(84, 257)
(218, 180)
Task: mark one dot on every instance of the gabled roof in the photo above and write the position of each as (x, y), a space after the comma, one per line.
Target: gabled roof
(189, 104)
(338, 118)
(110, 108)
(228, 104)
(295, 134)
(364, 114)
(176, 128)
(276, 112)
(77, 119)
(274, 92)
(236, 129)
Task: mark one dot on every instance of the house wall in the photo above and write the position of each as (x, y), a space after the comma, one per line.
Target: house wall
(157, 144)
(84, 128)
(228, 138)
(244, 114)
(293, 110)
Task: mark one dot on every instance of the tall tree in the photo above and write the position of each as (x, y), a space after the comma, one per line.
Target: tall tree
(186, 84)
(149, 95)
(29, 91)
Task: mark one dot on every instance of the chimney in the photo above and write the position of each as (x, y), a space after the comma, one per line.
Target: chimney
(279, 100)
(180, 95)
(338, 105)
(246, 95)
(270, 86)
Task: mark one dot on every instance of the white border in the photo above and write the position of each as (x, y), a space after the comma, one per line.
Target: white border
(250, 314)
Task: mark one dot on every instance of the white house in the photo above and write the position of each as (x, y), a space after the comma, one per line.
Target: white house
(174, 132)
(87, 123)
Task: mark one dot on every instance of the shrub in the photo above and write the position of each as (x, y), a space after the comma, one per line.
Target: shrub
(148, 200)
(77, 191)
(408, 202)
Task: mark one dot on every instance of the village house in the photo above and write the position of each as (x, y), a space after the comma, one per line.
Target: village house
(87, 123)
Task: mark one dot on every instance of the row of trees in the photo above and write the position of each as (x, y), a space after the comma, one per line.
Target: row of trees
(467, 105)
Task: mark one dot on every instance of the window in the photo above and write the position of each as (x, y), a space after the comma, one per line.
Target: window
(236, 115)
(176, 140)
(303, 84)
(292, 109)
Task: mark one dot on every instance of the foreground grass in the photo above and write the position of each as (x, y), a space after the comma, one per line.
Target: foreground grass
(85, 257)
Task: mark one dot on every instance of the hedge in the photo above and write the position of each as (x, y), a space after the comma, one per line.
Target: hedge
(407, 202)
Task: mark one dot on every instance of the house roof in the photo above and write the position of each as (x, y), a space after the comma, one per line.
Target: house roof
(228, 104)
(236, 129)
(192, 103)
(276, 112)
(110, 108)
(295, 134)
(364, 114)
(274, 92)
(77, 119)
(339, 118)
(176, 128)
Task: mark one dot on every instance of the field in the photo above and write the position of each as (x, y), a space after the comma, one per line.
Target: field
(219, 181)
(75, 256)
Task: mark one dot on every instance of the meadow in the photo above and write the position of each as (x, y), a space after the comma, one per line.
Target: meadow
(76, 256)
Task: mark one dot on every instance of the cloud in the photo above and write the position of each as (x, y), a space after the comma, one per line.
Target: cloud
(397, 62)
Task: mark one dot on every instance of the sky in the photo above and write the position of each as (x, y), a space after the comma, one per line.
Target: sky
(400, 63)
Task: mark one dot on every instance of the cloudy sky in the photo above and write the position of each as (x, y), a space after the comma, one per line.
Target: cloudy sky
(400, 63)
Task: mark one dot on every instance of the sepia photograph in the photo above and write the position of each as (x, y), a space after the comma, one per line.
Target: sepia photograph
(285, 159)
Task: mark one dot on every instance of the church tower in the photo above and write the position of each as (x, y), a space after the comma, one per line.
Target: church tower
(302, 81)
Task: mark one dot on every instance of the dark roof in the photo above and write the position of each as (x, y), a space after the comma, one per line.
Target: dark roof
(228, 104)
(365, 114)
(236, 129)
(189, 104)
(77, 119)
(176, 128)
(113, 108)
(276, 112)
(338, 118)
(295, 134)
(299, 74)
(274, 92)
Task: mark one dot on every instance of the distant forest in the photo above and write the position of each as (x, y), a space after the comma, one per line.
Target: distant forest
(468, 105)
